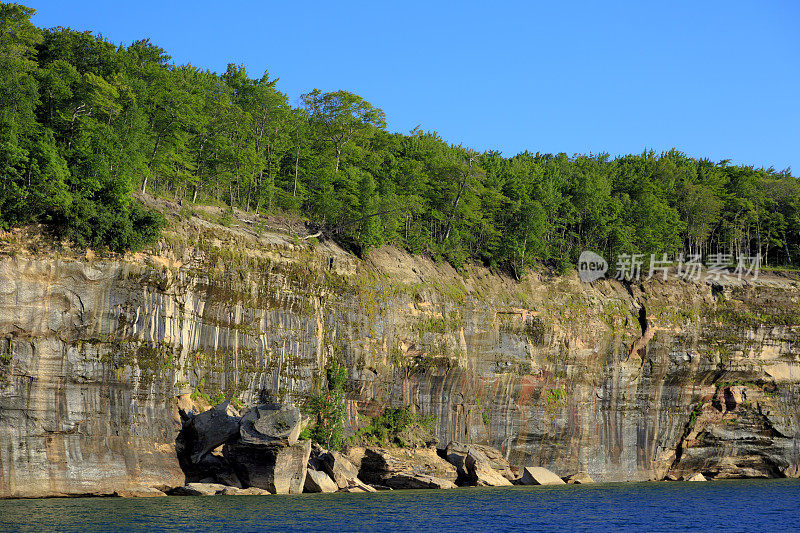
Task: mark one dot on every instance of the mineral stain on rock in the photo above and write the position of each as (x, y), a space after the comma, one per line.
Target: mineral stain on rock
(644, 382)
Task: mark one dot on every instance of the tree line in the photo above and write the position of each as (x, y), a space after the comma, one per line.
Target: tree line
(85, 123)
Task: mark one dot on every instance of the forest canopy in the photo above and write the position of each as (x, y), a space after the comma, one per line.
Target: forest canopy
(84, 123)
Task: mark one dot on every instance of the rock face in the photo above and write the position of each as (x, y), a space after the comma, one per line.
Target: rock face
(601, 377)
(536, 475)
(737, 432)
(406, 469)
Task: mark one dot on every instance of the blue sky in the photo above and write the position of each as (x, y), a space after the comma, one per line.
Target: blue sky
(713, 79)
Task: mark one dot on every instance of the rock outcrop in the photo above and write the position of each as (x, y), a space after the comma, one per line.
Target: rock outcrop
(249, 491)
(406, 469)
(199, 489)
(738, 431)
(278, 469)
(339, 468)
(456, 453)
(259, 450)
(317, 481)
(604, 377)
(480, 471)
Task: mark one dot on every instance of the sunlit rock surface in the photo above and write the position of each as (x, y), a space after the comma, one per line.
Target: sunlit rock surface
(603, 378)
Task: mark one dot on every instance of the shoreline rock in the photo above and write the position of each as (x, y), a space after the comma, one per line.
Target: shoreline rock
(537, 475)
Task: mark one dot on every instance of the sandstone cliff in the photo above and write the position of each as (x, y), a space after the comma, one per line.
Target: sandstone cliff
(623, 381)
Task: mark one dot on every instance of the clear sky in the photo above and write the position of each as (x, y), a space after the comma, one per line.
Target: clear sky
(718, 79)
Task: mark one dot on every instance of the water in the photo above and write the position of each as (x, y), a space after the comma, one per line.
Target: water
(767, 505)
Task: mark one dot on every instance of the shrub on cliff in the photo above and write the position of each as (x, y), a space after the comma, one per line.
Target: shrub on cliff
(397, 427)
(327, 410)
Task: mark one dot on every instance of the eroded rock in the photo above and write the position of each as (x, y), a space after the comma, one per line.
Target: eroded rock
(198, 489)
(581, 478)
(456, 454)
(278, 469)
(249, 491)
(339, 468)
(271, 424)
(403, 468)
(203, 432)
(139, 492)
(537, 475)
(318, 481)
(480, 471)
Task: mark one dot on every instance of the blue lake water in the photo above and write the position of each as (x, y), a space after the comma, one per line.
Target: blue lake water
(763, 505)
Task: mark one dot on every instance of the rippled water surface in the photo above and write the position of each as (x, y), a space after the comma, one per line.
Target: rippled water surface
(727, 505)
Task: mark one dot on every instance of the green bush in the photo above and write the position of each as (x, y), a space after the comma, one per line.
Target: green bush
(397, 426)
(328, 411)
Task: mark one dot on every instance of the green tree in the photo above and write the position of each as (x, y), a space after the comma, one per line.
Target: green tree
(340, 116)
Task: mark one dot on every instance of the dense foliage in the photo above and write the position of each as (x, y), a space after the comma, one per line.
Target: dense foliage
(85, 121)
(327, 410)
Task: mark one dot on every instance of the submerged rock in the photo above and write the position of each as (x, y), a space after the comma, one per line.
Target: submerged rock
(249, 491)
(198, 489)
(139, 492)
(537, 475)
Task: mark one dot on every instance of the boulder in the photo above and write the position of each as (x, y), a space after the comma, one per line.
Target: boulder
(249, 491)
(456, 454)
(318, 481)
(356, 485)
(339, 468)
(352, 489)
(419, 481)
(480, 471)
(203, 432)
(214, 468)
(537, 475)
(271, 424)
(406, 469)
(581, 478)
(139, 492)
(697, 477)
(278, 469)
(198, 489)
